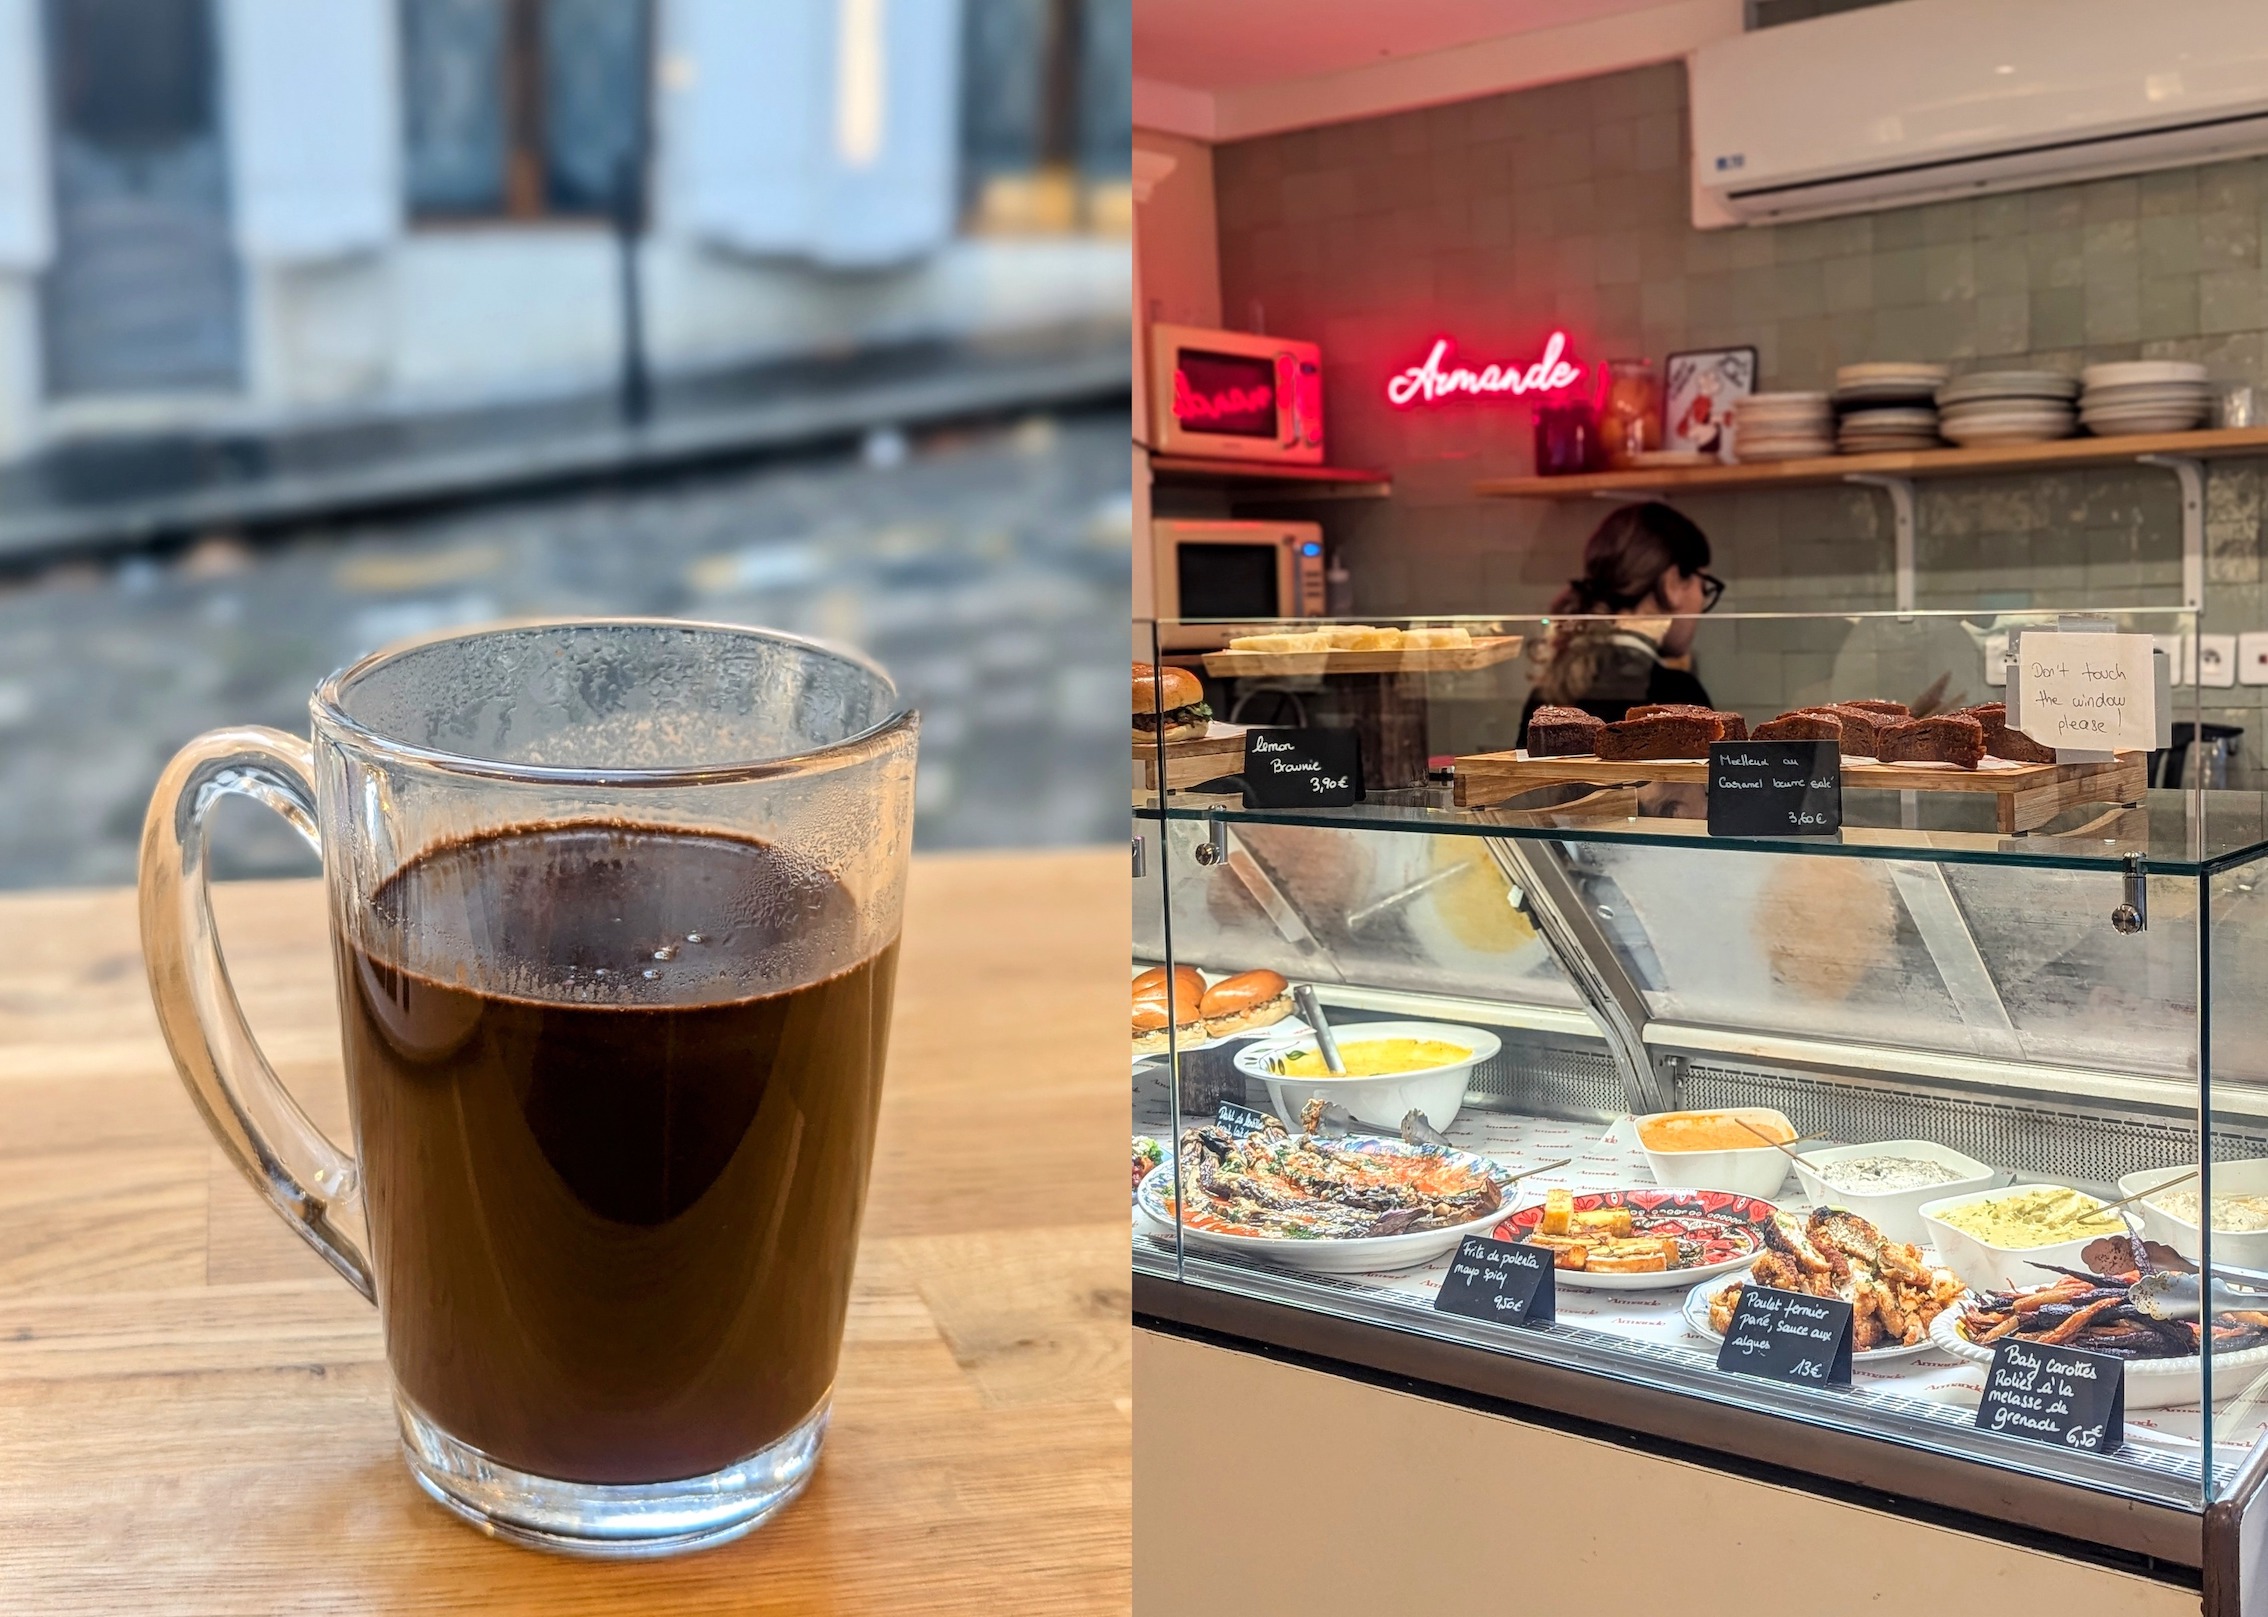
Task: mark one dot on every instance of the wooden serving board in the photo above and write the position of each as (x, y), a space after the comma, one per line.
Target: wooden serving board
(1220, 751)
(2029, 795)
(1482, 653)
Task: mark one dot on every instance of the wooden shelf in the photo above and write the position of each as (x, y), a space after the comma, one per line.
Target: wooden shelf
(1289, 482)
(2210, 444)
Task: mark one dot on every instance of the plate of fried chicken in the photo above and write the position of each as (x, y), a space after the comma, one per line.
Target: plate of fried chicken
(1894, 1291)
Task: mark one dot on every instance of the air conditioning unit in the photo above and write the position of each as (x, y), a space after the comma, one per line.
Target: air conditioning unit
(1920, 100)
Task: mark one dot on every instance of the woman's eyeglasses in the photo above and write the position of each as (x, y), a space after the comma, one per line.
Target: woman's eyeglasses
(1712, 591)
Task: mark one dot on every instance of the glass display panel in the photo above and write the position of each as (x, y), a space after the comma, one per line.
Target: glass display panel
(1955, 998)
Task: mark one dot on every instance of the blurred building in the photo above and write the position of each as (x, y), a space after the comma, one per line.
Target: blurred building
(245, 213)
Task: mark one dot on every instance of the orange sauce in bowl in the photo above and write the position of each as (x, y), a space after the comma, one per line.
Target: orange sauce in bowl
(1711, 1131)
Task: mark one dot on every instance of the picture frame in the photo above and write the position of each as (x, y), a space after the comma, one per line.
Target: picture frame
(1701, 387)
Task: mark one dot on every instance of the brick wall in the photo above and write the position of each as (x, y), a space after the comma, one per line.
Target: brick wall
(1497, 219)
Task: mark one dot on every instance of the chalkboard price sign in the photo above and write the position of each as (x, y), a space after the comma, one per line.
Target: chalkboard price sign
(1240, 1120)
(1789, 1336)
(2065, 1396)
(1302, 768)
(1775, 789)
(1504, 1282)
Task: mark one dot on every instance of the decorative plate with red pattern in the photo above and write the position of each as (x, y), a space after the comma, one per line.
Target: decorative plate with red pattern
(1716, 1232)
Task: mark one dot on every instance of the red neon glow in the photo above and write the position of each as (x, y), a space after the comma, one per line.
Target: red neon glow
(1191, 405)
(1437, 379)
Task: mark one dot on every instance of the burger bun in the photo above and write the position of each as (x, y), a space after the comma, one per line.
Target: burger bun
(1250, 999)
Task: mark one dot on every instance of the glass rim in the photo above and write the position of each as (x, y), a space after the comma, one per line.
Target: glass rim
(330, 717)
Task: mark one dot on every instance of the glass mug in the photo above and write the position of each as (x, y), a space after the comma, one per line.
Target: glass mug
(614, 910)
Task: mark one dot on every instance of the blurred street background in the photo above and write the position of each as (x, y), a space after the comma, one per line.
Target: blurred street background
(326, 322)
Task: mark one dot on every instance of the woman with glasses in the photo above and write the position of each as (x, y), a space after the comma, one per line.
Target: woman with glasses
(1622, 632)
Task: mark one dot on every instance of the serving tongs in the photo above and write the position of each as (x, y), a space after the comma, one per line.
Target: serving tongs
(2163, 1295)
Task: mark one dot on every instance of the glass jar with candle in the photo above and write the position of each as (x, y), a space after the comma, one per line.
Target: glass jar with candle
(1630, 417)
(1566, 437)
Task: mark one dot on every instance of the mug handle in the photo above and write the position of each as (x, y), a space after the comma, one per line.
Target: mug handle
(306, 1178)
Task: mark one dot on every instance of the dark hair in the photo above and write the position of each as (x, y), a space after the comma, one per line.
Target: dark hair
(1626, 556)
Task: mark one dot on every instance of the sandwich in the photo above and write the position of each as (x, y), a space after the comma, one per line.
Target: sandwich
(1178, 1007)
(1169, 701)
(1250, 999)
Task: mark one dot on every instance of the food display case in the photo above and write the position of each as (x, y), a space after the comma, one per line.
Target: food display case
(1907, 1064)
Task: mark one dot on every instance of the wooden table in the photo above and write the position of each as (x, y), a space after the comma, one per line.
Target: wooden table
(194, 1415)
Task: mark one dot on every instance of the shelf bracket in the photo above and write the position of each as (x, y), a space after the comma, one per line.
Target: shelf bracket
(2190, 472)
(1901, 492)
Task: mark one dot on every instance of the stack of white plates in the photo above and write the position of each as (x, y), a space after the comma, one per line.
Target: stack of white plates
(2145, 395)
(1902, 426)
(1889, 381)
(1783, 426)
(2007, 407)
(1887, 404)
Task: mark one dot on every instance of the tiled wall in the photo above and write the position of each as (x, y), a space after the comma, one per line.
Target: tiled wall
(1495, 220)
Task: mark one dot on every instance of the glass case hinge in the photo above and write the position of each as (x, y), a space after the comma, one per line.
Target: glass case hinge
(1138, 865)
(1214, 849)
(2133, 912)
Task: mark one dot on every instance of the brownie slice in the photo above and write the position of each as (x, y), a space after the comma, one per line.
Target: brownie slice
(1861, 729)
(1800, 726)
(2002, 742)
(1662, 735)
(1736, 727)
(1563, 732)
(1947, 738)
(1873, 704)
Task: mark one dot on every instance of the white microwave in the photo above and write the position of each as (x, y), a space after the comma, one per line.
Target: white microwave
(1234, 396)
(1248, 571)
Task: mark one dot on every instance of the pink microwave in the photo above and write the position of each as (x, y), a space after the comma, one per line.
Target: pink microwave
(1234, 396)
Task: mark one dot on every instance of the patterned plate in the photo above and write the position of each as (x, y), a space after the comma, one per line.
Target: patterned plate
(1729, 1230)
(1153, 1198)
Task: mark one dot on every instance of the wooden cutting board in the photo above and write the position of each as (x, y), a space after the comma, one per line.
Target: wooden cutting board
(1482, 653)
(2029, 795)
(1220, 751)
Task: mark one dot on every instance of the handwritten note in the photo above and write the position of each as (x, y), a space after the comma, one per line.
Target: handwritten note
(1239, 1121)
(1302, 768)
(2087, 691)
(1504, 1282)
(1789, 1336)
(1775, 789)
(2065, 1396)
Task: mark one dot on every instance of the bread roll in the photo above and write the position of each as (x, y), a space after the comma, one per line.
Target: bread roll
(1161, 690)
(1250, 999)
(1151, 983)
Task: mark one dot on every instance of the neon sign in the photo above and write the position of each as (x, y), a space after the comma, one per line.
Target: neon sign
(1226, 404)
(1437, 379)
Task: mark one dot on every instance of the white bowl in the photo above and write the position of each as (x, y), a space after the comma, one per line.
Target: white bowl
(2246, 1249)
(1438, 1092)
(1896, 1213)
(1983, 1266)
(1756, 1171)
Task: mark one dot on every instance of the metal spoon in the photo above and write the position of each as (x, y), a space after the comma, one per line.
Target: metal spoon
(1311, 1010)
